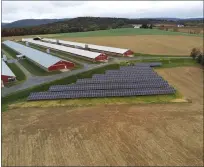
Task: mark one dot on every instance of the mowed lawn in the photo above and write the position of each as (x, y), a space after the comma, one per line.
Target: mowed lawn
(111, 135)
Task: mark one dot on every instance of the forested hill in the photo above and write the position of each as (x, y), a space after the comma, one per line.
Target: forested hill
(29, 22)
(79, 24)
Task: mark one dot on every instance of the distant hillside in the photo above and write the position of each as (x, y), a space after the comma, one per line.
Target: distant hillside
(3, 24)
(84, 24)
(29, 22)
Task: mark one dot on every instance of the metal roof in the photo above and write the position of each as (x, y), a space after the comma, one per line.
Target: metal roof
(91, 46)
(44, 59)
(76, 51)
(6, 70)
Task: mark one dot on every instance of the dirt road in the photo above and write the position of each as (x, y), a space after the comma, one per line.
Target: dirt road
(159, 134)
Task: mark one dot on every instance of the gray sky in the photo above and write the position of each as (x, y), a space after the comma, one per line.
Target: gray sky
(17, 10)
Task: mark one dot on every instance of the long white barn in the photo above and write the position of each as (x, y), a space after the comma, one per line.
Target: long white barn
(6, 73)
(84, 53)
(44, 60)
(124, 52)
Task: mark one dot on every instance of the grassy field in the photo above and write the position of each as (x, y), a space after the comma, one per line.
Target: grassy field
(166, 62)
(60, 54)
(88, 102)
(111, 32)
(120, 32)
(9, 51)
(146, 44)
(20, 76)
(111, 135)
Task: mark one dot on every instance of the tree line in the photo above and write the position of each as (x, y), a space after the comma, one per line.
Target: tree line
(80, 24)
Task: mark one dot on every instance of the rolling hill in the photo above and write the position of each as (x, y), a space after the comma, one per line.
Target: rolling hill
(81, 24)
(30, 22)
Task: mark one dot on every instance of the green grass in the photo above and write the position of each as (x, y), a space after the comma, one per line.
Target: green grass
(20, 76)
(155, 55)
(166, 62)
(119, 32)
(87, 102)
(9, 51)
(60, 54)
(34, 69)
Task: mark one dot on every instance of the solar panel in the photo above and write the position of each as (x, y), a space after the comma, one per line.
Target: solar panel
(138, 81)
(112, 86)
(98, 93)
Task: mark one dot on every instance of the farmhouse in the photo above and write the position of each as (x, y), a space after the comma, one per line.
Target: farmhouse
(43, 60)
(6, 74)
(94, 56)
(106, 49)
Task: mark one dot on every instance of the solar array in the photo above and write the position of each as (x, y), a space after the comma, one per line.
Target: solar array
(140, 81)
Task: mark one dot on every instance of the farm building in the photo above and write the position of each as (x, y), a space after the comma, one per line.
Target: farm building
(6, 74)
(137, 25)
(43, 60)
(180, 25)
(106, 49)
(78, 52)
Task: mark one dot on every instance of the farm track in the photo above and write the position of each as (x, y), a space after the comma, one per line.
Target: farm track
(153, 134)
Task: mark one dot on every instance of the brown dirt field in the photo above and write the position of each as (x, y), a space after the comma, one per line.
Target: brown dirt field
(159, 134)
(199, 30)
(148, 44)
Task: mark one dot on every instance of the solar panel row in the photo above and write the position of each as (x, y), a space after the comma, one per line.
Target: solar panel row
(123, 80)
(123, 75)
(128, 81)
(106, 87)
(78, 94)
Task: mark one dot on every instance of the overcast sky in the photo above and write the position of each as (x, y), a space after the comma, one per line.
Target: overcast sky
(17, 10)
